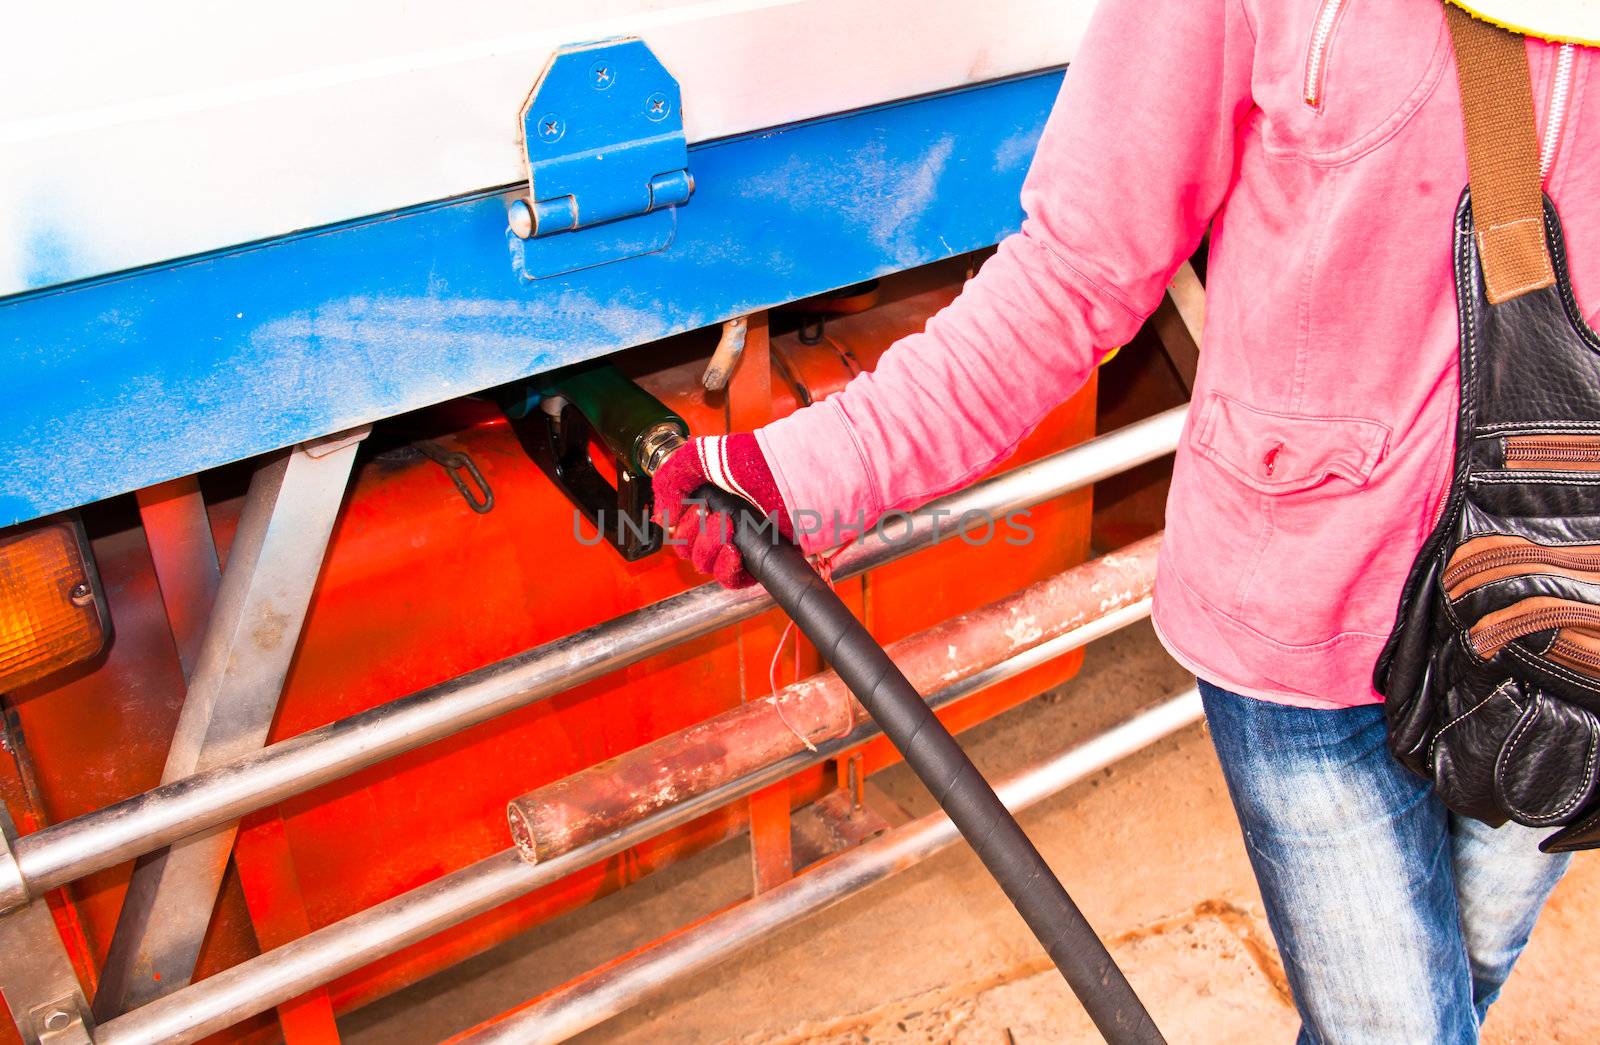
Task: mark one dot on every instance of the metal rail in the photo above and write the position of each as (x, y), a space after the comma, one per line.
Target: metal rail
(601, 994)
(121, 831)
(285, 972)
(580, 807)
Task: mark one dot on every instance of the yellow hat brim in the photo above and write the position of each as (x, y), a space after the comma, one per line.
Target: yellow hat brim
(1562, 21)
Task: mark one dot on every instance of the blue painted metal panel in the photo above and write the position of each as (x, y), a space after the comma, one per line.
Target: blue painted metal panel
(119, 383)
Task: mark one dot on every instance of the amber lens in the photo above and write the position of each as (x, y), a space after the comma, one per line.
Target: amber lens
(49, 615)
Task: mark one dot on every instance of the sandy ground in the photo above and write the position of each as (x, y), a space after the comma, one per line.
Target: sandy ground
(1149, 848)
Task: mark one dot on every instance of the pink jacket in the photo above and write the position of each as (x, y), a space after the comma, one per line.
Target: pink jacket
(1321, 142)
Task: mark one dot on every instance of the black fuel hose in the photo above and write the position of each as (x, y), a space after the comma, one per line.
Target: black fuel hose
(936, 758)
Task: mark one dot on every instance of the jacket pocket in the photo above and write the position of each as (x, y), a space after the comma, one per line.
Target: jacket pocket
(1361, 69)
(1278, 453)
(1276, 520)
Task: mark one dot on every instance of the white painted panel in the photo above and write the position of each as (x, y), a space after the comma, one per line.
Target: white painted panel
(135, 133)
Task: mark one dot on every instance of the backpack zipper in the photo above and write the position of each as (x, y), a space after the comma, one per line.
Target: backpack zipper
(1579, 453)
(1496, 558)
(1574, 654)
(1487, 639)
(1317, 56)
(1555, 113)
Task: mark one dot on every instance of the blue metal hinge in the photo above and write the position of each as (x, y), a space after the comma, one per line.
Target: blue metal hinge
(607, 159)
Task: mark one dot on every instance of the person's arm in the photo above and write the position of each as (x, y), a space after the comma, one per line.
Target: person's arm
(1137, 156)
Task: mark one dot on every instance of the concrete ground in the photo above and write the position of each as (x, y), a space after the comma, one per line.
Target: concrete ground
(1148, 847)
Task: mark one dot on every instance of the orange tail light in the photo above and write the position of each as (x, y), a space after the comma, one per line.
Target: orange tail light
(52, 611)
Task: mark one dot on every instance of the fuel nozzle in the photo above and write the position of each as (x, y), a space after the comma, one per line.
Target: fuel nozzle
(599, 406)
(658, 444)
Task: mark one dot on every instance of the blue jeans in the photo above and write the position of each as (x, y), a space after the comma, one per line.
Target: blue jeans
(1397, 920)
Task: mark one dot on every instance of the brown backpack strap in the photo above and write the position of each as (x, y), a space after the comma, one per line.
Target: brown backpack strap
(1502, 156)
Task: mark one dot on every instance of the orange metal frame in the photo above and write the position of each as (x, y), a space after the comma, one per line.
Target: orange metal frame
(416, 589)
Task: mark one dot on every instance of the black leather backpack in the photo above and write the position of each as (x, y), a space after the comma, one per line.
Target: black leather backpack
(1492, 672)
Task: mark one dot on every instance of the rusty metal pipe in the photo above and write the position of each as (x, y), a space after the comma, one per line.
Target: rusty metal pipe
(617, 986)
(123, 830)
(327, 953)
(592, 803)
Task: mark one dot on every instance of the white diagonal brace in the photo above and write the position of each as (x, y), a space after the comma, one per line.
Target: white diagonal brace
(250, 639)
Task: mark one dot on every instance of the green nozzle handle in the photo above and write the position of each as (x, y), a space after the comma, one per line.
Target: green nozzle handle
(631, 422)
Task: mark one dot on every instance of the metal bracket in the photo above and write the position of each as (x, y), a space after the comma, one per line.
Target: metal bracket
(603, 134)
(61, 1022)
(34, 964)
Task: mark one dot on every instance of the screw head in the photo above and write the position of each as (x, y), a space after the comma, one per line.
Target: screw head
(57, 1020)
(550, 127)
(81, 594)
(602, 75)
(656, 107)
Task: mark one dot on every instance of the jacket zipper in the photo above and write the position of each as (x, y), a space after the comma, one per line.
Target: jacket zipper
(1555, 111)
(1495, 558)
(1488, 639)
(1555, 114)
(1443, 504)
(1317, 56)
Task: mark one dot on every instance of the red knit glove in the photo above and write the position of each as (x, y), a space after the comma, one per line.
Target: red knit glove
(734, 463)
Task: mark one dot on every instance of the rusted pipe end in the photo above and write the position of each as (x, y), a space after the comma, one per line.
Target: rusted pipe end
(522, 832)
(729, 348)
